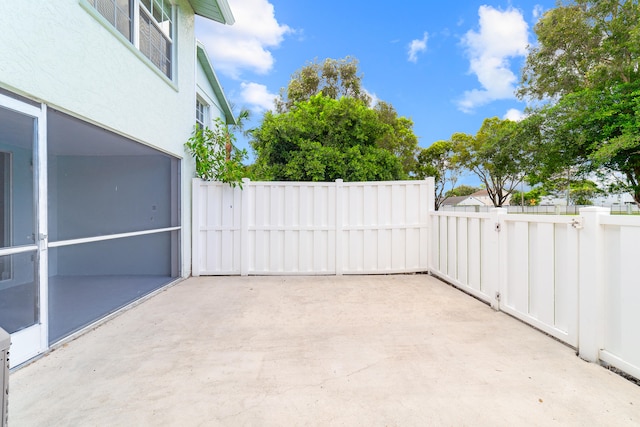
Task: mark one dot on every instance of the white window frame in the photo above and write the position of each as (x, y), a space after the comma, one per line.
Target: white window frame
(204, 111)
(134, 40)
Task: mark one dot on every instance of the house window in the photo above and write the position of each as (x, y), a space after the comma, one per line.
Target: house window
(117, 12)
(151, 32)
(201, 110)
(155, 33)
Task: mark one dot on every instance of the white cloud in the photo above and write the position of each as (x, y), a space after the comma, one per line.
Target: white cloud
(244, 45)
(373, 96)
(538, 10)
(416, 46)
(503, 35)
(257, 96)
(514, 115)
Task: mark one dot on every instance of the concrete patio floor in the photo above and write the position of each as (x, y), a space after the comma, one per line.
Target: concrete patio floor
(403, 350)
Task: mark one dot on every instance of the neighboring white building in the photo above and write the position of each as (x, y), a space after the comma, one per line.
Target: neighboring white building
(613, 199)
(97, 98)
(479, 198)
(483, 196)
(462, 201)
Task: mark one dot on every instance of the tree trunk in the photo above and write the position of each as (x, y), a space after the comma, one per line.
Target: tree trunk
(228, 147)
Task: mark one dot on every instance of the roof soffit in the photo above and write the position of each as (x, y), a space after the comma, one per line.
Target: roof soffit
(216, 10)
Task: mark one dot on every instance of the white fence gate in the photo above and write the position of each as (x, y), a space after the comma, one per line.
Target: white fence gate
(311, 228)
(573, 277)
(510, 262)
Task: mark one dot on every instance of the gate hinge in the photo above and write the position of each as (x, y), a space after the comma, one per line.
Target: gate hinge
(577, 223)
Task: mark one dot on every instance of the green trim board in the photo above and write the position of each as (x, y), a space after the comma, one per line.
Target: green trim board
(216, 10)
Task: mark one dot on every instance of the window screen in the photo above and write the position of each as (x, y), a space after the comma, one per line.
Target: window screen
(154, 27)
(117, 12)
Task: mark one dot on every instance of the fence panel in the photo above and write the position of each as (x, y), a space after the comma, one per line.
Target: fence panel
(216, 211)
(311, 228)
(461, 254)
(620, 249)
(542, 276)
(384, 227)
(291, 228)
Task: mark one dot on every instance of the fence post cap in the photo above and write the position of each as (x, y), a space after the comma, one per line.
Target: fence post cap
(499, 210)
(595, 209)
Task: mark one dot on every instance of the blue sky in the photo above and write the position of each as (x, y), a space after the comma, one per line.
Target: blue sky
(446, 65)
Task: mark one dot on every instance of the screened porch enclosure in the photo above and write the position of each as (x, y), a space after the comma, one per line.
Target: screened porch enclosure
(89, 223)
(113, 222)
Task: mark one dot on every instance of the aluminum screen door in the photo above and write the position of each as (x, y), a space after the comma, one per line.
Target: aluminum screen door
(23, 297)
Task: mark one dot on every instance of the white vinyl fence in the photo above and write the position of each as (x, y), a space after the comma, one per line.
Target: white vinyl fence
(628, 209)
(616, 289)
(573, 277)
(311, 228)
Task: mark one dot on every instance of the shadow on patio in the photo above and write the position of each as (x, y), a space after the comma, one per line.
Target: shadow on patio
(352, 350)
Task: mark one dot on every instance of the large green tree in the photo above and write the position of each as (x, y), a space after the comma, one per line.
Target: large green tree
(437, 161)
(335, 78)
(583, 44)
(398, 138)
(587, 63)
(528, 198)
(605, 132)
(462, 190)
(323, 139)
(500, 155)
(334, 137)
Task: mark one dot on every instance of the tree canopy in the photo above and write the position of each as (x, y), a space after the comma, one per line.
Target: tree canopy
(335, 78)
(603, 129)
(462, 190)
(583, 44)
(500, 155)
(528, 198)
(398, 137)
(436, 161)
(324, 128)
(324, 139)
(587, 62)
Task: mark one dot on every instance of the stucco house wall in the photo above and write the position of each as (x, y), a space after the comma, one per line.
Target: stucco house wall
(61, 54)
